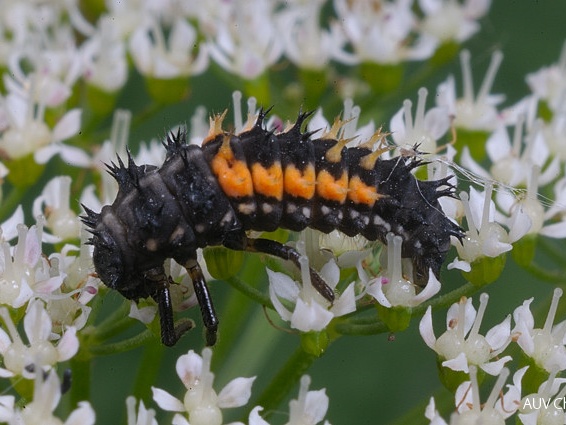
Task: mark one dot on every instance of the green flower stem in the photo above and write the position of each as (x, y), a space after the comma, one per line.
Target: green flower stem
(446, 300)
(114, 324)
(443, 400)
(372, 325)
(124, 345)
(250, 291)
(543, 274)
(148, 370)
(551, 248)
(9, 203)
(81, 373)
(284, 381)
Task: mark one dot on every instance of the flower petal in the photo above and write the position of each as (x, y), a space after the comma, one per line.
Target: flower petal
(310, 316)
(236, 393)
(166, 401)
(426, 330)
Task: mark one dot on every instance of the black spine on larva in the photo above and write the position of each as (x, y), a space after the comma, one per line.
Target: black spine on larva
(411, 210)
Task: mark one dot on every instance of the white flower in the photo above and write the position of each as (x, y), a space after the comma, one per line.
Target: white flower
(173, 57)
(311, 311)
(104, 57)
(546, 405)
(424, 130)
(484, 237)
(462, 345)
(472, 411)
(28, 133)
(472, 112)
(449, 20)
(310, 407)
(380, 34)
(26, 272)
(202, 404)
(391, 289)
(247, 42)
(40, 353)
(544, 345)
(549, 83)
(306, 44)
(511, 163)
(46, 397)
(143, 416)
(53, 203)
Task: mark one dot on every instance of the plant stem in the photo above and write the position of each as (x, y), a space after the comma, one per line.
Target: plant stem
(124, 345)
(148, 370)
(284, 381)
(250, 291)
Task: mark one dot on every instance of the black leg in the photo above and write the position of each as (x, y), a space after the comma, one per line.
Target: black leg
(170, 333)
(268, 246)
(205, 301)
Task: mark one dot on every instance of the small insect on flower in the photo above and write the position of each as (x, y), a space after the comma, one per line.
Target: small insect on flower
(258, 180)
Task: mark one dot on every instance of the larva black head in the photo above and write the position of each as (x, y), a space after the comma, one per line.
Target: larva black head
(109, 262)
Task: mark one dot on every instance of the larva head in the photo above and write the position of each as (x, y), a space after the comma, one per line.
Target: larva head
(110, 260)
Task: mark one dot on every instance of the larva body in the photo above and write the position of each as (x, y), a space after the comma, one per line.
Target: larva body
(258, 180)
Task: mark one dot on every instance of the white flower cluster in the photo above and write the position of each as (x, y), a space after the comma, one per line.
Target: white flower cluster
(174, 40)
(201, 405)
(462, 348)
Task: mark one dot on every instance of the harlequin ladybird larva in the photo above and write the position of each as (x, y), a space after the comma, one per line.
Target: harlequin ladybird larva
(258, 180)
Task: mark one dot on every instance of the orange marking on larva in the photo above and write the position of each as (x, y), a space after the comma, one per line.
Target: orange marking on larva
(327, 187)
(361, 193)
(268, 181)
(300, 184)
(233, 174)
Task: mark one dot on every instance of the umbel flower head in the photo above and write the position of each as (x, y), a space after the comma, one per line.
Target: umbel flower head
(462, 345)
(201, 404)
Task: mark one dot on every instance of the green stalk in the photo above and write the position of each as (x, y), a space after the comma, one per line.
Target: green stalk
(114, 324)
(9, 203)
(124, 345)
(285, 380)
(250, 291)
(148, 370)
(543, 274)
(373, 326)
(81, 373)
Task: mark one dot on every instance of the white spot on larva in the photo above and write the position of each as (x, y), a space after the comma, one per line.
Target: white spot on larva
(365, 220)
(378, 221)
(227, 218)
(151, 245)
(340, 215)
(247, 208)
(325, 210)
(291, 208)
(266, 208)
(417, 244)
(306, 212)
(354, 214)
(200, 228)
(177, 233)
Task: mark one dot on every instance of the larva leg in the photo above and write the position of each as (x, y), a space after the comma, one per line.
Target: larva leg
(209, 317)
(268, 246)
(170, 333)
